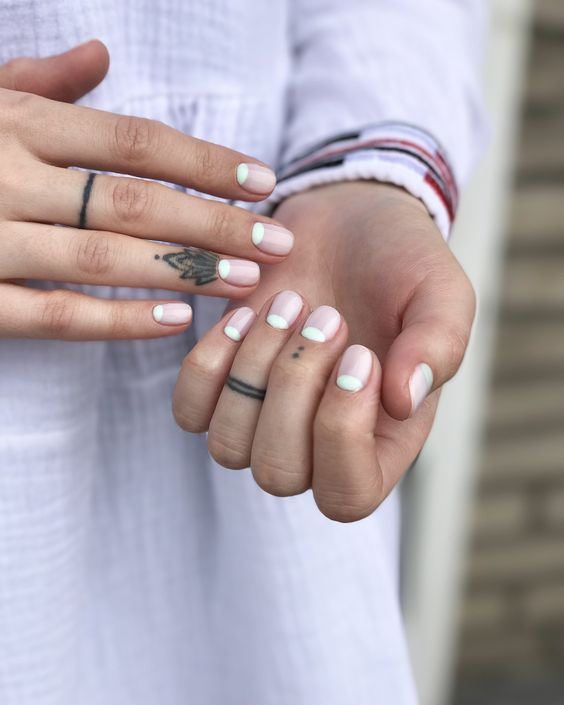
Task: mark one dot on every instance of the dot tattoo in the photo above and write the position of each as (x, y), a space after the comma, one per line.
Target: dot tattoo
(87, 192)
(193, 263)
(296, 354)
(245, 389)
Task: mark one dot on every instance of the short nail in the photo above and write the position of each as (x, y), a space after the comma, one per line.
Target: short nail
(240, 323)
(272, 239)
(256, 178)
(238, 272)
(322, 324)
(420, 384)
(284, 310)
(173, 314)
(355, 368)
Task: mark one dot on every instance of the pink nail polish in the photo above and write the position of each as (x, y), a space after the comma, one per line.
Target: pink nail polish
(256, 179)
(285, 308)
(172, 314)
(238, 272)
(272, 239)
(322, 324)
(420, 384)
(355, 368)
(240, 323)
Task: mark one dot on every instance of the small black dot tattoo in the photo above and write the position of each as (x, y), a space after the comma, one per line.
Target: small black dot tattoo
(295, 355)
(157, 256)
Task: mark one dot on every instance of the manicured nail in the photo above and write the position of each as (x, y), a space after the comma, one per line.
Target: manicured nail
(173, 314)
(255, 178)
(420, 384)
(272, 239)
(322, 324)
(355, 368)
(240, 323)
(239, 272)
(284, 309)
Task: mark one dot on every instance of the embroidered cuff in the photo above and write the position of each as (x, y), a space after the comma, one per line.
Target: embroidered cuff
(395, 153)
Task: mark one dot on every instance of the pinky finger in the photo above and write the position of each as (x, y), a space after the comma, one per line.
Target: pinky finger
(347, 479)
(64, 314)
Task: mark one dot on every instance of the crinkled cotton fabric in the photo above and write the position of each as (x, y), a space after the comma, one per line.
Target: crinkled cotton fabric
(133, 570)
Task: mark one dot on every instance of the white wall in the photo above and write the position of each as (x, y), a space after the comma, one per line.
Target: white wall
(439, 489)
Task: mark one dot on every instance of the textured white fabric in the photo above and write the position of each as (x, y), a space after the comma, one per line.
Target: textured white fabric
(133, 571)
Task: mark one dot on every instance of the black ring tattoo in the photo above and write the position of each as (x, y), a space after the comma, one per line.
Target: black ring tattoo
(193, 263)
(245, 389)
(85, 198)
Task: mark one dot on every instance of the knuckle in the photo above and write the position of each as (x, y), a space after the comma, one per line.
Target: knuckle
(228, 448)
(288, 373)
(220, 225)
(346, 509)
(186, 418)
(13, 71)
(95, 255)
(135, 138)
(206, 163)
(456, 341)
(130, 199)
(57, 312)
(278, 476)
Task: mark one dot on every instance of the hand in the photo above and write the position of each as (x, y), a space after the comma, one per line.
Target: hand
(111, 218)
(373, 252)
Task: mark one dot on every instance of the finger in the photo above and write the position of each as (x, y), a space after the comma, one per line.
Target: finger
(149, 210)
(282, 453)
(67, 315)
(71, 135)
(347, 479)
(34, 251)
(236, 415)
(63, 77)
(431, 345)
(205, 369)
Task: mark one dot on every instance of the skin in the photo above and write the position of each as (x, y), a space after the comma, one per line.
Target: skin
(377, 257)
(380, 260)
(110, 219)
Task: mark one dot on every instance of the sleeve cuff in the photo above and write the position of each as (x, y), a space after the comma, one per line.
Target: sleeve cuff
(394, 153)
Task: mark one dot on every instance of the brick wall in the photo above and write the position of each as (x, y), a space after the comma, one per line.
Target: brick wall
(512, 623)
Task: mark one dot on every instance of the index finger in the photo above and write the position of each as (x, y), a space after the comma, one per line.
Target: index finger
(70, 135)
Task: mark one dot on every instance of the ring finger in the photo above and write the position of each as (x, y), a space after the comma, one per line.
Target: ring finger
(236, 415)
(33, 251)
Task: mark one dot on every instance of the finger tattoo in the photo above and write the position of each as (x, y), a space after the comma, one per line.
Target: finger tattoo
(245, 389)
(296, 354)
(85, 198)
(193, 263)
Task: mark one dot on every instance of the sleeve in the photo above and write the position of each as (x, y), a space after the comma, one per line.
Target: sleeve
(388, 90)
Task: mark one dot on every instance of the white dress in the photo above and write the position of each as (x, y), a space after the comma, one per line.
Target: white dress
(133, 570)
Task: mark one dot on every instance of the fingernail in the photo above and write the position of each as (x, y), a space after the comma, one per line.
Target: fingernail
(240, 323)
(322, 324)
(420, 384)
(255, 178)
(238, 272)
(272, 239)
(355, 368)
(173, 314)
(284, 310)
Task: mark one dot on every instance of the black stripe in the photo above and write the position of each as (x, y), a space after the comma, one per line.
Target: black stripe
(245, 389)
(85, 198)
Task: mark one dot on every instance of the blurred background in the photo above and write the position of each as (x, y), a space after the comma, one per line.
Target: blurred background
(484, 554)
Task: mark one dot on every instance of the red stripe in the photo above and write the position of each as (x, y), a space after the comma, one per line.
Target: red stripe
(430, 181)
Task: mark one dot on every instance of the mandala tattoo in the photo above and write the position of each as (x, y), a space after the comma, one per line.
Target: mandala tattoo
(193, 263)
(245, 389)
(86, 193)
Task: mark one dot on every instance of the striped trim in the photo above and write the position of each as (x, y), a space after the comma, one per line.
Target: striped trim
(397, 153)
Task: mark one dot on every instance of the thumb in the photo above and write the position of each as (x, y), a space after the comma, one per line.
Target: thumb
(430, 348)
(64, 77)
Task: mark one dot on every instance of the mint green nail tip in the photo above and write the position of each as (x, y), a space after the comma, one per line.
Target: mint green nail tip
(257, 233)
(349, 383)
(427, 373)
(232, 333)
(277, 321)
(314, 334)
(242, 173)
(158, 313)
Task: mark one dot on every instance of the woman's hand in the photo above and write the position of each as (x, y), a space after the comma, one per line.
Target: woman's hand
(372, 252)
(110, 220)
